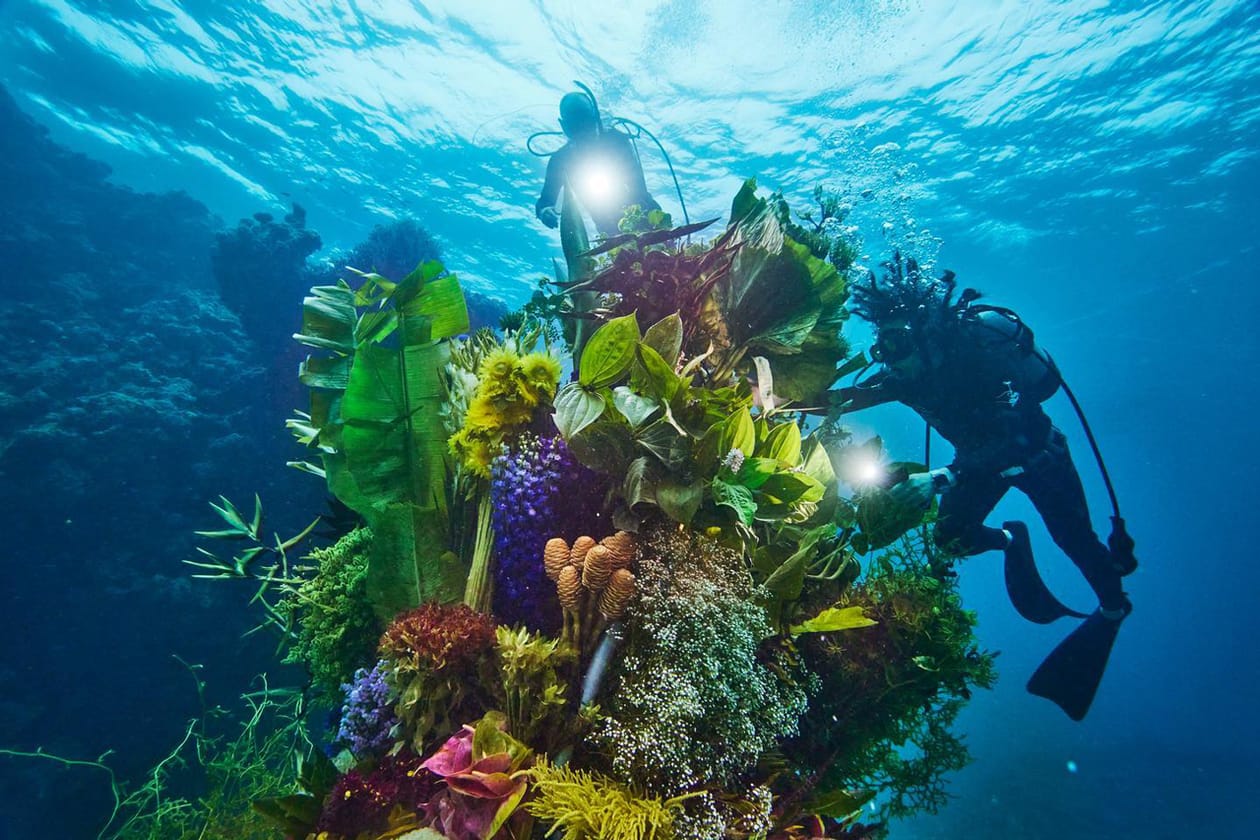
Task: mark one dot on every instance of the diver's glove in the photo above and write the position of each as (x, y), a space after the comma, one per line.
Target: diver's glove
(917, 490)
(549, 217)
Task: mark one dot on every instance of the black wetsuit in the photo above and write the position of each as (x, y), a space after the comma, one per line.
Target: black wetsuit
(1002, 438)
(611, 151)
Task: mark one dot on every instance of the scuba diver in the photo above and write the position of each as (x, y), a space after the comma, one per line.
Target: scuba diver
(598, 163)
(976, 375)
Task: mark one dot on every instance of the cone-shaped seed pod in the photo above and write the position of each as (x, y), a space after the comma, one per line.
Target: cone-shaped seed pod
(597, 569)
(569, 587)
(612, 604)
(555, 557)
(622, 546)
(577, 556)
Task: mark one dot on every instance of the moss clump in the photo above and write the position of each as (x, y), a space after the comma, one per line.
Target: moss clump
(335, 630)
(890, 692)
(697, 697)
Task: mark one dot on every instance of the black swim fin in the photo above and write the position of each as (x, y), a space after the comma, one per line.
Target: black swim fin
(1028, 592)
(1071, 673)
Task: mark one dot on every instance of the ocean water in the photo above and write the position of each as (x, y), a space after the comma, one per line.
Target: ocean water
(1093, 165)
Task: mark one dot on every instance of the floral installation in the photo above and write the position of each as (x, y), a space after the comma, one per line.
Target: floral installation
(620, 590)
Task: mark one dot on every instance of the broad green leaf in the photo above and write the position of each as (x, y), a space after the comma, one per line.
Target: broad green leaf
(441, 300)
(408, 563)
(636, 409)
(609, 352)
(328, 372)
(605, 446)
(815, 462)
(736, 497)
(679, 501)
(663, 440)
(665, 337)
(328, 318)
(839, 804)
(834, 618)
(755, 471)
(653, 375)
(392, 434)
(790, 488)
(576, 408)
(746, 201)
(738, 433)
(783, 444)
(787, 581)
(638, 485)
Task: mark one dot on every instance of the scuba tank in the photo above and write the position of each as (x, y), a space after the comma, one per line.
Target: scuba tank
(1030, 369)
(1035, 376)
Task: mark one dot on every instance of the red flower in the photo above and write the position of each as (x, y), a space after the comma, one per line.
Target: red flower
(436, 636)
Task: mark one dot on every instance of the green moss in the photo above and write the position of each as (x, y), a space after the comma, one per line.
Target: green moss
(334, 627)
(891, 692)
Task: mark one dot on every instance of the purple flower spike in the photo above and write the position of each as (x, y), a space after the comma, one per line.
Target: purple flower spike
(368, 714)
(538, 490)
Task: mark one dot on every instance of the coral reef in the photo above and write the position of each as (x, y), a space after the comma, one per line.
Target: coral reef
(259, 269)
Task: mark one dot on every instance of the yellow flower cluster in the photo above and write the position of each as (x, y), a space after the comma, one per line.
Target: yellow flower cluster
(510, 388)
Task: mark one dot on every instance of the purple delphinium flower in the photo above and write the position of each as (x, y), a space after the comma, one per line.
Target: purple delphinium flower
(538, 491)
(368, 714)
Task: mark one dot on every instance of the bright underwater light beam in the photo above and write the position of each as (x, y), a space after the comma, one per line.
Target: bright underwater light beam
(598, 184)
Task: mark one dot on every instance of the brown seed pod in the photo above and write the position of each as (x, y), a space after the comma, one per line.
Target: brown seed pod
(599, 565)
(569, 587)
(577, 556)
(612, 604)
(623, 548)
(555, 557)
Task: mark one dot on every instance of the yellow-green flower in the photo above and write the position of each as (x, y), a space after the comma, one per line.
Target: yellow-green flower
(541, 372)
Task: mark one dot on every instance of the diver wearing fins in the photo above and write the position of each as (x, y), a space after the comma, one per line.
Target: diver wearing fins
(598, 163)
(976, 375)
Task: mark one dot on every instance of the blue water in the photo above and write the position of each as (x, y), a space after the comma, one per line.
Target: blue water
(1094, 165)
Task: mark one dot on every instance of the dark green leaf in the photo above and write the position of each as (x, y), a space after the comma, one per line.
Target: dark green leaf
(679, 501)
(605, 446)
(789, 488)
(736, 497)
(746, 201)
(839, 804)
(576, 408)
(638, 486)
(662, 440)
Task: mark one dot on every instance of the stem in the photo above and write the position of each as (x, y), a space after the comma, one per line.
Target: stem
(479, 590)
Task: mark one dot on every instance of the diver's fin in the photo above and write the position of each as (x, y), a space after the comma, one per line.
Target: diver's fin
(1028, 592)
(1071, 673)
